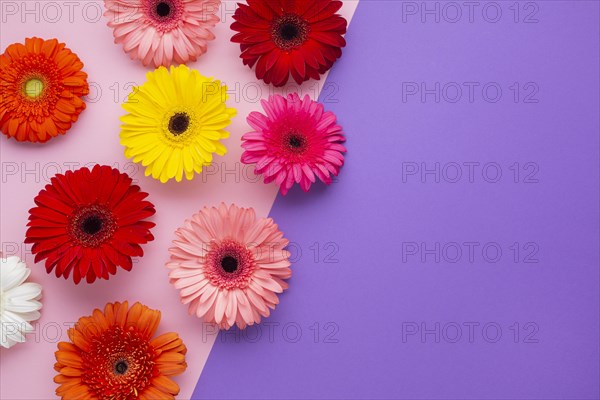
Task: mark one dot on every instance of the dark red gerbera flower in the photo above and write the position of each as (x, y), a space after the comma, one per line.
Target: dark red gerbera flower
(88, 223)
(283, 37)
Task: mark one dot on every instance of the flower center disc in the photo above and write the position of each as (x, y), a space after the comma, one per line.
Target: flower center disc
(121, 367)
(289, 31)
(92, 225)
(229, 264)
(34, 88)
(164, 15)
(163, 9)
(295, 142)
(118, 361)
(179, 123)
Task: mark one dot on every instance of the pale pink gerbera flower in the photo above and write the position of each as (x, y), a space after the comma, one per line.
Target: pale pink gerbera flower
(159, 32)
(296, 142)
(229, 265)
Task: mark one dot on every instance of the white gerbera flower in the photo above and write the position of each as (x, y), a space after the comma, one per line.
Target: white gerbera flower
(19, 301)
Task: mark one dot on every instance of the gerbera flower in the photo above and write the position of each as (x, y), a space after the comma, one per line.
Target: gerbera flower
(229, 265)
(88, 223)
(42, 84)
(160, 32)
(283, 37)
(19, 301)
(113, 355)
(175, 122)
(296, 142)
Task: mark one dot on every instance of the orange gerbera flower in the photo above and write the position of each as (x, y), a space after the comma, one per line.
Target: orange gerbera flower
(41, 86)
(112, 356)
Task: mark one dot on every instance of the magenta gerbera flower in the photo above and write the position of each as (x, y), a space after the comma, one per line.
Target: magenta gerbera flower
(296, 142)
(163, 32)
(229, 265)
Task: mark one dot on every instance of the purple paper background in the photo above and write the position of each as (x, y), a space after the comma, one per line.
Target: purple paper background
(363, 305)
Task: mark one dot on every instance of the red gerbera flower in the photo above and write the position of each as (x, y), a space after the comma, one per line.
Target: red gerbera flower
(89, 222)
(283, 37)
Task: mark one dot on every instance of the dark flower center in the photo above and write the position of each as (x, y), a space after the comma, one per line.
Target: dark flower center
(91, 224)
(295, 142)
(163, 9)
(121, 367)
(179, 123)
(289, 31)
(229, 264)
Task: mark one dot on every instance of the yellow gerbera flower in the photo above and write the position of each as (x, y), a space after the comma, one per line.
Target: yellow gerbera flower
(174, 123)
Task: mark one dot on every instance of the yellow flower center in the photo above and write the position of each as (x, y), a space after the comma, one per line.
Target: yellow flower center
(34, 88)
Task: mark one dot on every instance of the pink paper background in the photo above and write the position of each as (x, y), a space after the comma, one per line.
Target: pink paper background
(26, 168)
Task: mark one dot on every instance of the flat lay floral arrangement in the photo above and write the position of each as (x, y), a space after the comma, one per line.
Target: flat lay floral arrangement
(228, 265)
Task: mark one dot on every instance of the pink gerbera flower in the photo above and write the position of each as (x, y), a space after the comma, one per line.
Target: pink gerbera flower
(159, 32)
(296, 142)
(229, 265)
